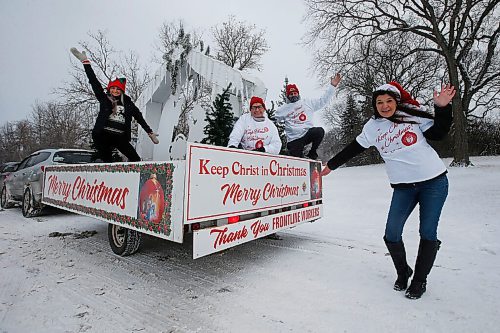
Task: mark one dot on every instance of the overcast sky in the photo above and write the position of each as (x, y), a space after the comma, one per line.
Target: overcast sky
(36, 37)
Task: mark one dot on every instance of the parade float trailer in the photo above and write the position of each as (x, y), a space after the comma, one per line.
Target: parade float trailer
(223, 196)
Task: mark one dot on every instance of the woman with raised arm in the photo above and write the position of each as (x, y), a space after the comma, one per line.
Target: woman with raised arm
(112, 127)
(399, 129)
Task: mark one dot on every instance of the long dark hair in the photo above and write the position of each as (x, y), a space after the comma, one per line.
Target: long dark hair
(402, 110)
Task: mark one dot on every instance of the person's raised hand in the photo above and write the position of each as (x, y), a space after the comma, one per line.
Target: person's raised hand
(82, 56)
(335, 80)
(326, 170)
(445, 96)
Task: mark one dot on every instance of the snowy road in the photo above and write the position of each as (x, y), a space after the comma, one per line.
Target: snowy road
(329, 276)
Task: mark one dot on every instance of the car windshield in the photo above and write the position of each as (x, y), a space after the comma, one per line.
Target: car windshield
(73, 157)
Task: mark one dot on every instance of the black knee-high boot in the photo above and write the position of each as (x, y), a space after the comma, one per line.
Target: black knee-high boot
(398, 255)
(427, 251)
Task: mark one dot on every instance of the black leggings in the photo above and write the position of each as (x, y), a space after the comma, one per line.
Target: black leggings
(105, 143)
(314, 135)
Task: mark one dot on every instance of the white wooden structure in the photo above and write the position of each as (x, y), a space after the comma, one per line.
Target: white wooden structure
(161, 106)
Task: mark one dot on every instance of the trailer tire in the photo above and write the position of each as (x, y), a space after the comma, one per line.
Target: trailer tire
(4, 199)
(123, 241)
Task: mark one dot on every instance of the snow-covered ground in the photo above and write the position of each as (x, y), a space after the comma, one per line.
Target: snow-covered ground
(333, 275)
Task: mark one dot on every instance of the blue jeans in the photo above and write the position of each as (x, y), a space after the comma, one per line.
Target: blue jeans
(430, 195)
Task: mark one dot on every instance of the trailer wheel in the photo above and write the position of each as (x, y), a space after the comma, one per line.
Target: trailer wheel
(4, 199)
(123, 241)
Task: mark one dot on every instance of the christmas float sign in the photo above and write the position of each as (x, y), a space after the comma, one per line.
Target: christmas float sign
(211, 240)
(139, 196)
(223, 182)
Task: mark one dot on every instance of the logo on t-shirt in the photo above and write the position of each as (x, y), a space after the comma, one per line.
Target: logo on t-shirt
(119, 116)
(302, 117)
(409, 138)
(259, 144)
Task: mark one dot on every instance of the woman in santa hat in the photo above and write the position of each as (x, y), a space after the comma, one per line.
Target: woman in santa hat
(399, 129)
(112, 127)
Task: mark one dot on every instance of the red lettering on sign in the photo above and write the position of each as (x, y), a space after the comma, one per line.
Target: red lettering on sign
(83, 190)
(224, 237)
(258, 227)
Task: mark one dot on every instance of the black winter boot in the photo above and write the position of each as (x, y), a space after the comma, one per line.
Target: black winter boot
(398, 255)
(427, 251)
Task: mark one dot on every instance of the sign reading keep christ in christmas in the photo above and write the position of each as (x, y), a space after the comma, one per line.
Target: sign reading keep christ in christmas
(222, 182)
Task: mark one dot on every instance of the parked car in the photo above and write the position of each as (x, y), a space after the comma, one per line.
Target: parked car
(26, 183)
(6, 169)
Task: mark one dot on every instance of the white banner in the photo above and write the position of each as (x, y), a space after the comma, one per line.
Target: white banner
(210, 240)
(144, 196)
(222, 182)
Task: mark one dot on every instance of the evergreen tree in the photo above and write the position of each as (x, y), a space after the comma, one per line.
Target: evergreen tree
(351, 124)
(219, 120)
(350, 121)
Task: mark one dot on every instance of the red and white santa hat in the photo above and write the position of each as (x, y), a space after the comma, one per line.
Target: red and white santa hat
(396, 88)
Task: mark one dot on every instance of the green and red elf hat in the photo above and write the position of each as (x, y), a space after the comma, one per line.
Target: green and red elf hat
(119, 83)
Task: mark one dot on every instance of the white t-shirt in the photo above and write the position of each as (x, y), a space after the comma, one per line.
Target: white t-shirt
(298, 116)
(255, 134)
(407, 155)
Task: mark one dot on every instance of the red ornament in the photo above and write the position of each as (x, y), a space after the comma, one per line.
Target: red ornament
(409, 138)
(151, 201)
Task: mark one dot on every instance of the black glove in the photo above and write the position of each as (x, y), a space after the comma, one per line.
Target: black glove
(261, 149)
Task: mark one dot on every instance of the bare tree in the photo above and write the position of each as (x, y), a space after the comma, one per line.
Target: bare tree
(18, 137)
(56, 125)
(239, 44)
(76, 94)
(463, 33)
(9, 145)
(388, 61)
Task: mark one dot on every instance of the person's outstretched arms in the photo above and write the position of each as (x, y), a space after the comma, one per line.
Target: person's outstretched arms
(136, 113)
(351, 150)
(443, 116)
(320, 103)
(335, 80)
(94, 82)
(154, 137)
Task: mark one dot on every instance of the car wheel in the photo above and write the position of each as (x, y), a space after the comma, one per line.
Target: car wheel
(123, 241)
(27, 204)
(4, 199)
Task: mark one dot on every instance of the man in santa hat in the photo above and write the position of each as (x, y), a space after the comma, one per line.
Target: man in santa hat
(297, 115)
